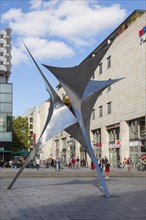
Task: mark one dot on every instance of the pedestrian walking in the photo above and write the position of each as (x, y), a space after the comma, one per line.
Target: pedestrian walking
(92, 166)
(70, 165)
(73, 162)
(107, 170)
(57, 165)
(78, 163)
(125, 163)
(47, 163)
(100, 164)
(61, 163)
(38, 163)
(129, 163)
(105, 160)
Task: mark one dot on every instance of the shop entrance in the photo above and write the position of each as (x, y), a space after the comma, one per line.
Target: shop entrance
(135, 153)
(97, 152)
(114, 157)
(83, 157)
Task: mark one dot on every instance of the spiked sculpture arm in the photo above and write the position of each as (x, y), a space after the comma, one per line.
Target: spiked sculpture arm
(83, 94)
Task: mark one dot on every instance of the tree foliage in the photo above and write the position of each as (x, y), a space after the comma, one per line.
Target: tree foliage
(21, 134)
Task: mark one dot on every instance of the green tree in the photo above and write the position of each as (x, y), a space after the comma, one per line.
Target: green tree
(21, 134)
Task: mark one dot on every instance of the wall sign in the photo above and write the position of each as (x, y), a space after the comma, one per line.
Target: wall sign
(98, 144)
(116, 145)
(142, 34)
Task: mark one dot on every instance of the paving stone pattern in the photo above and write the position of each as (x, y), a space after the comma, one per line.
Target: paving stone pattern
(73, 198)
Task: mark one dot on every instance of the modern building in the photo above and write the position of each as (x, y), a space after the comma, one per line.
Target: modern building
(118, 119)
(118, 128)
(29, 114)
(6, 95)
(37, 118)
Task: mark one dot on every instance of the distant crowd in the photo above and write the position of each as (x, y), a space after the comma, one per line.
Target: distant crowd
(73, 163)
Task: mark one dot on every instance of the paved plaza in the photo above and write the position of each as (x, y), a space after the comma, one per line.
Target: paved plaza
(73, 198)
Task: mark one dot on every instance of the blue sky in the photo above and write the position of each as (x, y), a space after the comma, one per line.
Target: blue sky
(57, 33)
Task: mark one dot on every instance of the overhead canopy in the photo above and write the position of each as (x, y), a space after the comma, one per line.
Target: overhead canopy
(22, 153)
(5, 151)
(143, 157)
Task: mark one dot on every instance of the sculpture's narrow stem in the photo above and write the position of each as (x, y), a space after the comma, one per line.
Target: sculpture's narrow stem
(30, 157)
(94, 159)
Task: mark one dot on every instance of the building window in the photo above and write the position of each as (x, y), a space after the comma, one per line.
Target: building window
(108, 62)
(100, 111)
(93, 114)
(134, 129)
(100, 68)
(31, 134)
(64, 143)
(114, 134)
(31, 120)
(31, 126)
(96, 136)
(109, 87)
(5, 122)
(109, 110)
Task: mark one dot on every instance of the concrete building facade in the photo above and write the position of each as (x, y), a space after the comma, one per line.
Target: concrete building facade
(118, 120)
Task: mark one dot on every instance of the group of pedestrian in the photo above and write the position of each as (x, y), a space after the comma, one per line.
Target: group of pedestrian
(141, 164)
(127, 164)
(16, 163)
(74, 163)
(59, 163)
(103, 165)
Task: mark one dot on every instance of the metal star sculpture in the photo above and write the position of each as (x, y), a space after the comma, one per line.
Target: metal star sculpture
(82, 93)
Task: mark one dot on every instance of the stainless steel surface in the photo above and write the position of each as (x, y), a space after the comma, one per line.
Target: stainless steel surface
(82, 93)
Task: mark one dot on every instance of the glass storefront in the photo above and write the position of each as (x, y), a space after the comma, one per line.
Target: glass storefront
(114, 157)
(114, 150)
(83, 157)
(97, 142)
(134, 155)
(136, 150)
(137, 139)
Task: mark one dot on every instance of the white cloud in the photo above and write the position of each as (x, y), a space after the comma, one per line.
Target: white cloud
(77, 23)
(67, 19)
(41, 49)
(35, 4)
(18, 56)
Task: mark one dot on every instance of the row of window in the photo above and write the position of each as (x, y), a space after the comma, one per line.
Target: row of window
(100, 111)
(136, 131)
(100, 66)
(108, 65)
(5, 122)
(114, 134)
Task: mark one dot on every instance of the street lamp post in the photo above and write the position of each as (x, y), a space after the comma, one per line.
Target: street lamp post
(71, 144)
